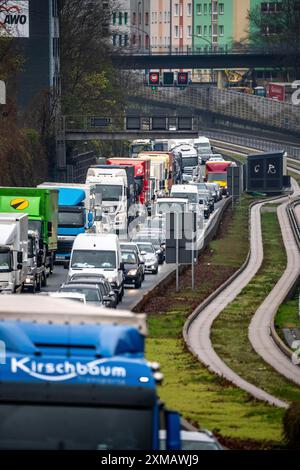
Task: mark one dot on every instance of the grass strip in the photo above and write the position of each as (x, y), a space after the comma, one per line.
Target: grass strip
(202, 397)
(230, 330)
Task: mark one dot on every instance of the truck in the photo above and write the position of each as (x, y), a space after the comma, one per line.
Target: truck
(36, 277)
(167, 158)
(41, 205)
(140, 145)
(75, 213)
(141, 176)
(13, 251)
(98, 254)
(189, 161)
(81, 375)
(216, 172)
(115, 191)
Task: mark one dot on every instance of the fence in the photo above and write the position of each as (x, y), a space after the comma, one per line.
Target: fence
(250, 108)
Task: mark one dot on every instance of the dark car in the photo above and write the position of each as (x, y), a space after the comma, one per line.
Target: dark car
(133, 270)
(104, 285)
(131, 246)
(92, 293)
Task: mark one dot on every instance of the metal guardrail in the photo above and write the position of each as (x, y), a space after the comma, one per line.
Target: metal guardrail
(294, 221)
(251, 108)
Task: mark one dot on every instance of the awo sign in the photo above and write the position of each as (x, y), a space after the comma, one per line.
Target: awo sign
(14, 18)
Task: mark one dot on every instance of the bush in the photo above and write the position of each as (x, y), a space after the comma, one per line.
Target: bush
(291, 425)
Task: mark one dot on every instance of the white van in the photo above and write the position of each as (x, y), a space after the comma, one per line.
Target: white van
(186, 191)
(98, 254)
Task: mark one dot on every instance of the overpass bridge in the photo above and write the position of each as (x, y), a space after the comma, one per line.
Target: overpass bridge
(206, 60)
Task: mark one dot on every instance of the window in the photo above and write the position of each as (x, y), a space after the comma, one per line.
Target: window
(114, 39)
(205, 30)
(221, 30)
(134, 18)
(125, 17)
(199, 9)
(189, 31)
(181, 32)
(54, 8)
(176, 31)
(114, 18)
(210, 30)
(120, 40)
(120, 17)
(146, 18)
(209, 8)
(189, 9)
(205, 8)
(180, 9)
(176, 9)
(126, 40)
(221, 8)
(199, 30)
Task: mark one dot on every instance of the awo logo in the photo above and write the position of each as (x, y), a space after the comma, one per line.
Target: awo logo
(63, 371)
(14, 19)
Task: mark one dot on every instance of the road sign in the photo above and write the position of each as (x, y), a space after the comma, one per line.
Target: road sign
(265, 172)
(154, 78)
(168, 79)
(183, 79)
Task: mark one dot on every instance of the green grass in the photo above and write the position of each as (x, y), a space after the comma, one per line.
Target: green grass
(230, 330)
(288, 315)
(202, 397)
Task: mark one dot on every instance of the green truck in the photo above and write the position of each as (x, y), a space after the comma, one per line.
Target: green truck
(41, 205)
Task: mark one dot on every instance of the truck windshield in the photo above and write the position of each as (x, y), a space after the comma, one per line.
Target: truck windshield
(109, 192)
(189, 161)
(146, 248)
(94, 259)
(74, 428)
(141, 148)
(71, 219)
(192, 197)
(35, 225)
(217, 176)
(5, 262)
(164, 207)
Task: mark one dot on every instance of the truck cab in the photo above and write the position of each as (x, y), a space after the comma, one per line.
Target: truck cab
(75, 378)
(36, 273)
(13, 251)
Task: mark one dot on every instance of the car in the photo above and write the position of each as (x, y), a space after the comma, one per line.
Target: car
(193, 440)
(148, 252)
(211, 187)
(99, 279)
(206, 194)
(133, 270)
(74, 296)
(157, 238)
(133, 246)
(92, 293)
(216, 157)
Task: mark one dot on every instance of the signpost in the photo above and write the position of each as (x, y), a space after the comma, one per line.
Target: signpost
(2, 92)
(181, 230)
(265, 172)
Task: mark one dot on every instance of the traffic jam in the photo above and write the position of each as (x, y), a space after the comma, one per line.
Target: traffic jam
(85, 250)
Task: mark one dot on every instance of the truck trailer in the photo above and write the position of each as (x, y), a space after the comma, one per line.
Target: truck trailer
(41, 205)
(75, 214)
(80, 375)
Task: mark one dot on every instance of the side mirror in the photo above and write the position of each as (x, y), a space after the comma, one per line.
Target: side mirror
(19, 258)
(90, 219)
(143, 253)
(112, 294)
(41, 252)
(19, 266)
(66, 264)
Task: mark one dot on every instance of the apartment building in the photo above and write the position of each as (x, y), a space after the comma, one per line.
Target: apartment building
(121, 24)
(182, 25)
(161, 26)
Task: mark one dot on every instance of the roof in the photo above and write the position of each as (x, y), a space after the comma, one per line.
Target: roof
(101, 241)
(31, 308)
(183, 188)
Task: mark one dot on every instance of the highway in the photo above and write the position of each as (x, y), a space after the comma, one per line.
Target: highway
(132, 296)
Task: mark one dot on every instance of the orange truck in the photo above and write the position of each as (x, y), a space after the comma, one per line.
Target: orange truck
(216, 172)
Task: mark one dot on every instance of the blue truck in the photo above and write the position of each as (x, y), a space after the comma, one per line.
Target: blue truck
(75, 214)
(75, 378)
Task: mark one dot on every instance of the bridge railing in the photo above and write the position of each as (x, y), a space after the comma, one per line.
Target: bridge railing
(250, 108)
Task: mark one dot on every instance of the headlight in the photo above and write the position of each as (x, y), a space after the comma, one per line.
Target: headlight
(112, 280)
(27, 280)
(132, 272)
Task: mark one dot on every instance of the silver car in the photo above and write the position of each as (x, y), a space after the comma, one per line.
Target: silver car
(149, 255)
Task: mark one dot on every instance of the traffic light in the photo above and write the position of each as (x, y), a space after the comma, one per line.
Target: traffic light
(182, 79)
(154, 79)
(168, 79)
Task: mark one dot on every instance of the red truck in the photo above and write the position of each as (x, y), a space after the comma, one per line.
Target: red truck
(216, 172)
(141, 175)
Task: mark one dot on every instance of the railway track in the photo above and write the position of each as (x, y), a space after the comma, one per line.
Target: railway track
(262, 333)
